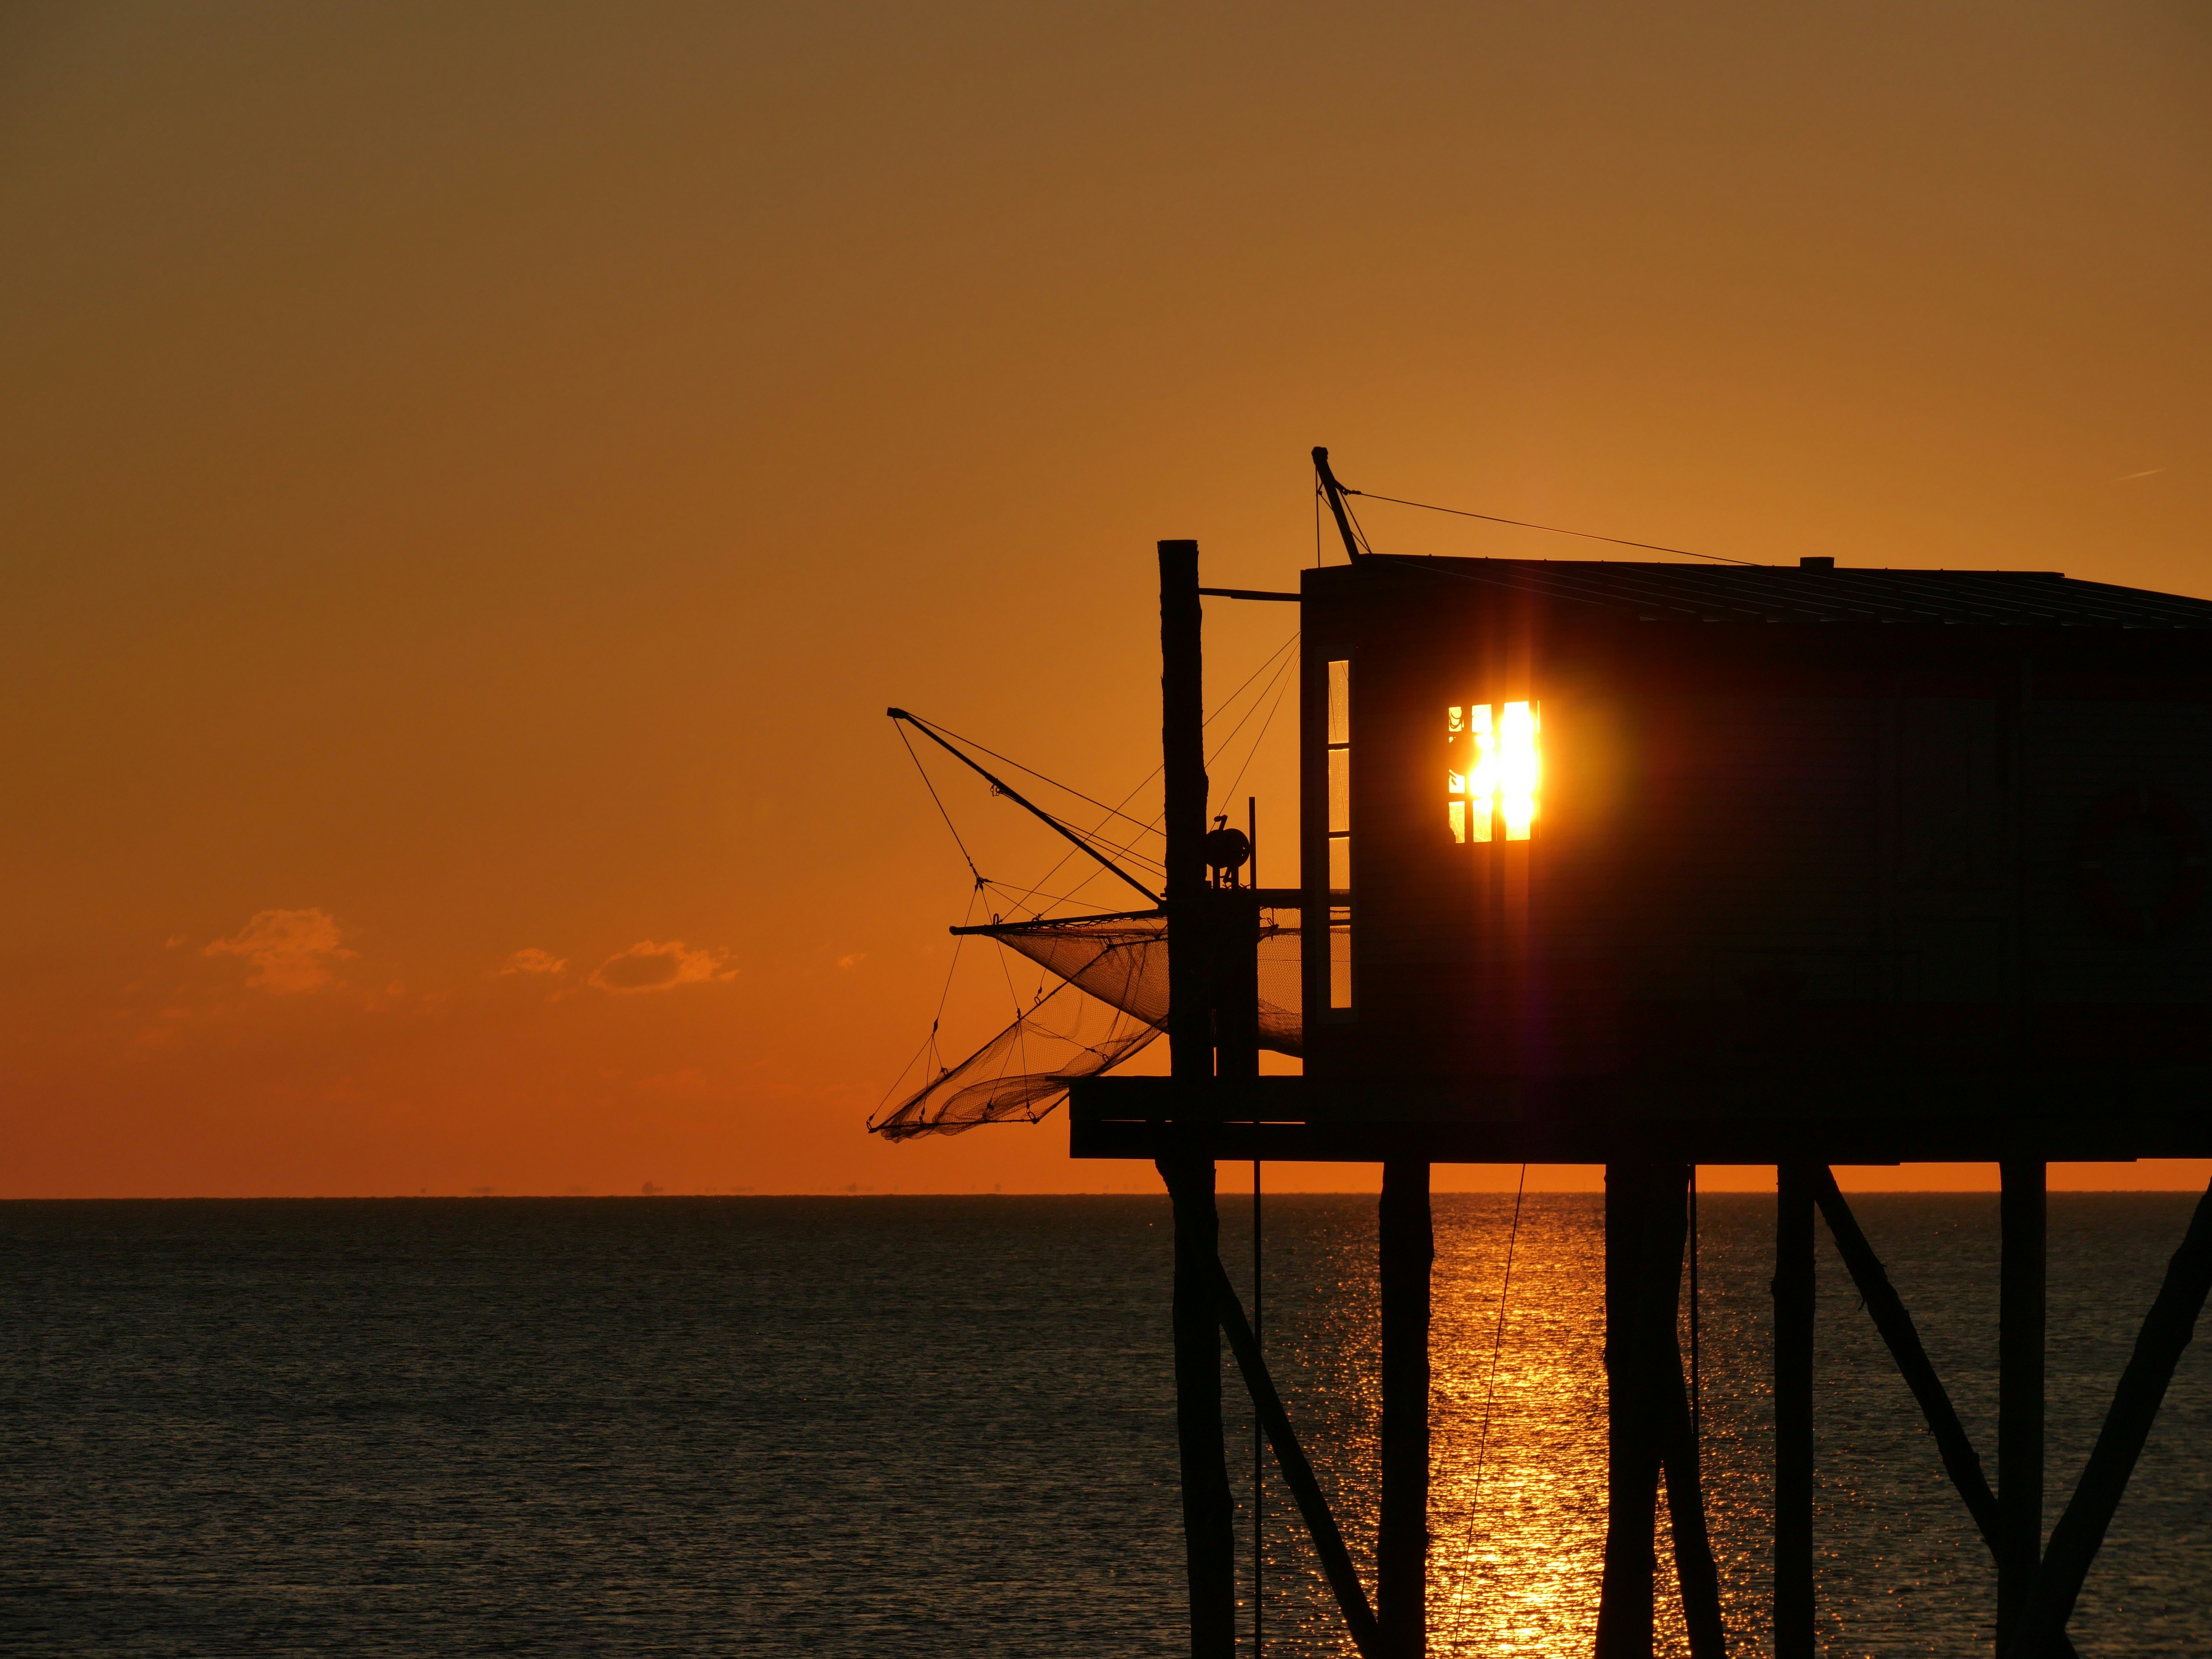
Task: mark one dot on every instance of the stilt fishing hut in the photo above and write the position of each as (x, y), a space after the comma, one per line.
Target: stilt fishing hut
(1655, 866)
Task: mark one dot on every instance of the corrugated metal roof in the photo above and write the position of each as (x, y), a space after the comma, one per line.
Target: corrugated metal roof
(1793, 594)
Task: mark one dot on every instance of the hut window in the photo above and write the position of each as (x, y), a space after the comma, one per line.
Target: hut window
(1493, 769)
(1470, 771)
(1340, 833)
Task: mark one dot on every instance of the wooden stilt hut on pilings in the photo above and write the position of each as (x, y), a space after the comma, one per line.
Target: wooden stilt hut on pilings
(1654, 866)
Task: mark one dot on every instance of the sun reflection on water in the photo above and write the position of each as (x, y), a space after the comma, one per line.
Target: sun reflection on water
(1517, 1572)
(1901, 1568)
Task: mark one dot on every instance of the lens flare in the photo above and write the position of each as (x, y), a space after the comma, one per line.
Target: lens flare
(1491, 770)
(1482, 772)
(1520, 767)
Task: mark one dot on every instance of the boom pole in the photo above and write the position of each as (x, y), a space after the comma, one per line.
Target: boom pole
(1334, 491)
(922, 726)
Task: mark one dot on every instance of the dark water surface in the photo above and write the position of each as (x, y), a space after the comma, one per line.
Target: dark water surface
(908, 1426)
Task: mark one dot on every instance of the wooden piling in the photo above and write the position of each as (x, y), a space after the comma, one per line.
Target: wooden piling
(2020, 1391)
(1208, 1513)
(1673, 1427)
(1647, 1416)
(1407, 1244)
(1632, 1451)
(1182, 749)
(1209, 1540)
(1794, 1287)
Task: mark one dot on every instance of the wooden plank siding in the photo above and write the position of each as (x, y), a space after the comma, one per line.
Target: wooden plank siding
(1816, 846)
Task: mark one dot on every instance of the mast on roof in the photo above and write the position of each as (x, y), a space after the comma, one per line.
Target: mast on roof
(1336, 493)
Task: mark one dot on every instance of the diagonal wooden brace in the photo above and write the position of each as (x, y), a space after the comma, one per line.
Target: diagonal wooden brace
(1887, 1308)
(2166, 1330)
(1298, 1473)
(1695, 1570)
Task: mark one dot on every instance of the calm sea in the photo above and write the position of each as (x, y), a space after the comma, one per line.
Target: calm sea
(944, 1427)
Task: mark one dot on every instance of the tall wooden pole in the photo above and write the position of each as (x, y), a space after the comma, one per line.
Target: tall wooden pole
(1209, 1541)
(1793, 1190)
(1407, 1247)
(2020, 1391)
(1632, 1450)
(1182, 756)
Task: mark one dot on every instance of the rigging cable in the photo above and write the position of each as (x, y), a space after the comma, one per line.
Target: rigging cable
(1548, 529)
(1123, 849)
(1021, 1019)
(1013, 899)
(941, 812)
(1220, 749)
(983, 883)
(1225, 704)
(1254, 753)
(1497, 1345)
(946, 731)
(1359, 530)
(929, 1043)
(1697, 1389)
(1126, 849)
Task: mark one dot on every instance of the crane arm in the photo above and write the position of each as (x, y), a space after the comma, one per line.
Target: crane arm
(922, 726)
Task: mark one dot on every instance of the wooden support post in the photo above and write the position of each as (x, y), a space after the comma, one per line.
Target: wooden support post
(1209, 1541)
(1208, 1514)
(1649, 1416)
(1182, 752)
(1407, 1247)
(1660, 1362)
(1297, 1475)
(2020, 1392)
(2074, 1540)
(1794, 1287)
(1632, 1451)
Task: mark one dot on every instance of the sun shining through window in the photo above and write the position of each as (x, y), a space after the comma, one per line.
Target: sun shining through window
(1519, 767)
(1493, 769)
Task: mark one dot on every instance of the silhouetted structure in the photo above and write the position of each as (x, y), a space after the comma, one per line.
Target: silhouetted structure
(1655, 866)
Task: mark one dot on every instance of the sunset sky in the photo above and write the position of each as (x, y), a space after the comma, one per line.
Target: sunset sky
(474, 476)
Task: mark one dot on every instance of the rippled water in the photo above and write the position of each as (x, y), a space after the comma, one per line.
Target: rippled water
(944, 1426)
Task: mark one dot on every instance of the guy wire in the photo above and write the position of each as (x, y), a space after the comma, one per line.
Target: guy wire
(1497, 1346)
(1548, 529)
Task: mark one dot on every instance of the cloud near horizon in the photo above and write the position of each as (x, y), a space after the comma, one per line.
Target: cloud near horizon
(291, 951)
(531, 960)
(645, 966)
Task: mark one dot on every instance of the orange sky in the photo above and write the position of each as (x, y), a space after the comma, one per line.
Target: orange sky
(474, 476)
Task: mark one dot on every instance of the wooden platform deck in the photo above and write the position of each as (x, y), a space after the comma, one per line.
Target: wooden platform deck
(1844, 1118)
